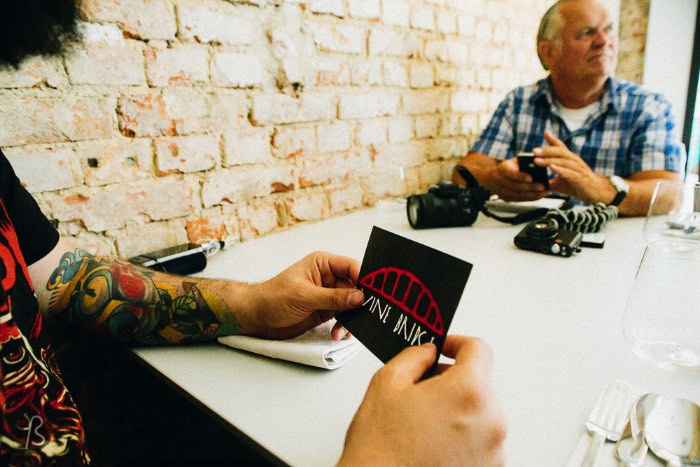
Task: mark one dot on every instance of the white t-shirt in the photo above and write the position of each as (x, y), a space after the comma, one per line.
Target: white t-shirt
(575, 118)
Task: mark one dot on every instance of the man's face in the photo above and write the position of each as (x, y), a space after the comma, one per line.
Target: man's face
(588, 42)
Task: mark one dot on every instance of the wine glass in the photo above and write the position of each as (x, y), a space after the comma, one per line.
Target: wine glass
(662, 318)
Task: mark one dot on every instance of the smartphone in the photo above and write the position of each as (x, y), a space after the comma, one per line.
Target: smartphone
(186, 258)
(526, 162)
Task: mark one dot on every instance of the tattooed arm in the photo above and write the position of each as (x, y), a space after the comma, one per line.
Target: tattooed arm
(114, 300)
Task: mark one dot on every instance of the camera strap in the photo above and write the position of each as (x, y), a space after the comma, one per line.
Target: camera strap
(527, 216)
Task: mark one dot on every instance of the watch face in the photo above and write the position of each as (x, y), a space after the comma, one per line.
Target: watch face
(619, 183)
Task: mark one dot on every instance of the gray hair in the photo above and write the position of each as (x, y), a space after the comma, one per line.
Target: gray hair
(550, 29)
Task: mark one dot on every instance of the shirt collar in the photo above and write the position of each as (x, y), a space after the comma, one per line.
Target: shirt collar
(609, 98)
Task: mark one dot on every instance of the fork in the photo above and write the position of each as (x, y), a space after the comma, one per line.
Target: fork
(608, 418)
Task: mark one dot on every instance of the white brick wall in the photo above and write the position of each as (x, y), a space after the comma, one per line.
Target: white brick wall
(198, 119)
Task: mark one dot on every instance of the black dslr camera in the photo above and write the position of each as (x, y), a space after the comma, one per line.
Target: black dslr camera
(448, 204)
(544, 236)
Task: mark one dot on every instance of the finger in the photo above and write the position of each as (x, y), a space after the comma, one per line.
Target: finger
(337, 268)
(339, 332)
(412, 362)
(553, 140)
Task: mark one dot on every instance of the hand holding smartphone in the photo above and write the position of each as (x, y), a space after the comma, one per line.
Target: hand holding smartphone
(526, 163)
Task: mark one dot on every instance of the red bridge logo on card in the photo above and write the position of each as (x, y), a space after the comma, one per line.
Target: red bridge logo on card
(408, 293)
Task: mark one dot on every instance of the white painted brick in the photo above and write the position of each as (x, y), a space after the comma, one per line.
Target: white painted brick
(451, 126)
(42, 169)
(247, 147)
(423, 18)
(396, 73)
(217, 22)
(400, 130)
(446, 75)
(445, 148)
(345, 198)
(308, 206)
(245, 183)
(466, 102)
(334, 137)
(332, 71)
(457, 51)
(436, 50)
(237, 70)
(367, 105)
(107, 64)
(333, 7)
(396, 12)
(427, 126)
(97, 33)
(371, 132)
(466, 25)
(426, 101)
(33, 72)
(293, 142)
(115, 160)
(182, 154)
(394, 43)
(281, 108)
(421, 75)
(367, 72)
(229, 110)
(333, 168)
(446, 22)
(165, 199)
(257, 218)
(147, 19)
(366, 9)
(340, 38)
(178, 66)
(47, 120)
(484, 31)
(187, 109)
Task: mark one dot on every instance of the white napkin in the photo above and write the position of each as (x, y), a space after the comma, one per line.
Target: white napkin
(315, 347)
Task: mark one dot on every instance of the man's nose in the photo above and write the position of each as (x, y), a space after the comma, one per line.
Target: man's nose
(603, 37)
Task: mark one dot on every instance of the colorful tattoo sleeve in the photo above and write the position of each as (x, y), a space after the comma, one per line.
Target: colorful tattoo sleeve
(118, 301)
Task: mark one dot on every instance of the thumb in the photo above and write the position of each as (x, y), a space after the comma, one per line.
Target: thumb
(412, 362)
(336, 299)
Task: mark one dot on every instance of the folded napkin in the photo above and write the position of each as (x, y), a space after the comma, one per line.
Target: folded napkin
(315, 347)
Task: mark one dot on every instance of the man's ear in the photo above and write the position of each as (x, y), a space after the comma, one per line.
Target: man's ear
(546, 51)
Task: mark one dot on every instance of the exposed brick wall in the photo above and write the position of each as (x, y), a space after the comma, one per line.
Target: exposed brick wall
(634, 21)
(191, 119)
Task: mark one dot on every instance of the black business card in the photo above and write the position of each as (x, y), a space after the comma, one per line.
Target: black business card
(411, 294)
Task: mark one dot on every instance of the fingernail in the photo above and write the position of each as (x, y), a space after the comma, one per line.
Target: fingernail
(537, 151)
(355, 298)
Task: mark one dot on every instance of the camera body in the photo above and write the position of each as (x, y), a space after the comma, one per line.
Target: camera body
(444, 205)
(544, 236)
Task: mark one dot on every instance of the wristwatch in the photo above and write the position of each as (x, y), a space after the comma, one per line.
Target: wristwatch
(621, 187)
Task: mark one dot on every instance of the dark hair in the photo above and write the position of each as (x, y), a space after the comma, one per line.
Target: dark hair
(36, 27)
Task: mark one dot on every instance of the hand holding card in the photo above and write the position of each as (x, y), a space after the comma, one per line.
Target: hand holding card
(411, 294)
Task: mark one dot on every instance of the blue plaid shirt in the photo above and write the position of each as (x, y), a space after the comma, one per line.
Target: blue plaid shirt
(631, 129)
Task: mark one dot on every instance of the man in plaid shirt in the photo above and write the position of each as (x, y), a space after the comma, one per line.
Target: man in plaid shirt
(604, 140)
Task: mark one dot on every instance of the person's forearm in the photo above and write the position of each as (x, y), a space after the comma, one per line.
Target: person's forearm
(116, 301)
(481, 166)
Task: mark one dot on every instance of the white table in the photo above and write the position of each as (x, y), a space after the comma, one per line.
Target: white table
(555, 325)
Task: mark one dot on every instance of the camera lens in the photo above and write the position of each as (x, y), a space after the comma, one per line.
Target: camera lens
(543, 228)
(414, 211)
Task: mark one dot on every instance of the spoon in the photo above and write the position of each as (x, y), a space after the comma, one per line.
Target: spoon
(672, 430)
(631, 448)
